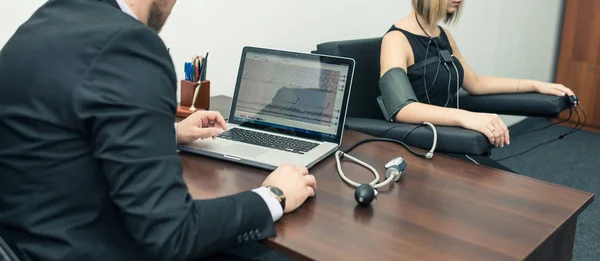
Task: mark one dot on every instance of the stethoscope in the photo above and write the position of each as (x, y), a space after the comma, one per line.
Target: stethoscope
(365, 193)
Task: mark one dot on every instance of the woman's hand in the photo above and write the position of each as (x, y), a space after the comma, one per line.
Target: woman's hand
(489, 124)
(552, 89)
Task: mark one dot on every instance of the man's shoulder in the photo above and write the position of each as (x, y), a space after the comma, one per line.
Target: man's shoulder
(81, 30)
(77, 18)
(63, 40)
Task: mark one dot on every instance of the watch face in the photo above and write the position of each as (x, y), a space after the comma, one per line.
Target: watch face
(395, 162)
(276, 191)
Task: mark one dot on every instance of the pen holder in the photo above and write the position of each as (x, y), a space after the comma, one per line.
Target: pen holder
(187, 92)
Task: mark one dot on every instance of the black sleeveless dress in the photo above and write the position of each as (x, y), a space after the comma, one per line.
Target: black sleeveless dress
(441, 90)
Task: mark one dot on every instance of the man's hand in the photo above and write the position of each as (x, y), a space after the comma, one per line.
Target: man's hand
(295, 182)
(200, 125)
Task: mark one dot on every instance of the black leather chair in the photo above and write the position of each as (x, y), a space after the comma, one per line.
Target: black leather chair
(364, 114)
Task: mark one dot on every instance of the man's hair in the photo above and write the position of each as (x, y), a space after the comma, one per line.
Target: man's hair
(435, 10)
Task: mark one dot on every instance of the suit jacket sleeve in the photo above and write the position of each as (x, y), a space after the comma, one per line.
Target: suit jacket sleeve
(126, 105)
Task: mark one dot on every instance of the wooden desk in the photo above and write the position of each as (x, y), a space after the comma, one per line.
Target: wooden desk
(442, 209)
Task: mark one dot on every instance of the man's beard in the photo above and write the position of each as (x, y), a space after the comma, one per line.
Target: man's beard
(157, 16)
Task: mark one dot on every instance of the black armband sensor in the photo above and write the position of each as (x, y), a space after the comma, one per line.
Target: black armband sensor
(396, 92)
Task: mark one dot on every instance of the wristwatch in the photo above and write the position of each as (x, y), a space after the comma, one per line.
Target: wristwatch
(277, 194)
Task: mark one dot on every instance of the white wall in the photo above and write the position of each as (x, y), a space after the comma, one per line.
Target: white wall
(509, 38)
(13, 13)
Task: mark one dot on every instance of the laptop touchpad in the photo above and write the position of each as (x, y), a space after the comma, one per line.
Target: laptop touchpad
(246, 151)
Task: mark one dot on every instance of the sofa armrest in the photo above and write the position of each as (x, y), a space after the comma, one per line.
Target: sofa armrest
(450, 139)
(525, 104)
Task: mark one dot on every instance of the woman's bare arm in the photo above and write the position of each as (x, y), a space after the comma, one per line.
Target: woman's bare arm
(480, 85)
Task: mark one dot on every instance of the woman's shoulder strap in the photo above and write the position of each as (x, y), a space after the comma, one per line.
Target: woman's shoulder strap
(395, 28)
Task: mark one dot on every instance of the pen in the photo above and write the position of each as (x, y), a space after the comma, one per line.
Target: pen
(185, 68)
(204, 65)
(189, 66)
(192, 70)
(189, 71)
(196, 68)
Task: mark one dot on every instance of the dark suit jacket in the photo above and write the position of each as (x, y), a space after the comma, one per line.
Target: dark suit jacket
(88, 163)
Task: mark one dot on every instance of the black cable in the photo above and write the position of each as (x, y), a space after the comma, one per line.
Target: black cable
(573, 130)
(419, 22)
(425, 71)
(411, 130)
(584, 117)
(437, 71)
(576, 125)
(546, 127)
(449, 83)
(457, 85)
(383, 139)
(401, 141)
(532, 148)
(397, 126)
(540, 129)
(425, 67)
(386, 131)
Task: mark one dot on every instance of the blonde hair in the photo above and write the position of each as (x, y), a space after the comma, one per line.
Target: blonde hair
(435, 10)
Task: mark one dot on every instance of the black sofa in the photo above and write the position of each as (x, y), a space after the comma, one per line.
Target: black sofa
(364, 114)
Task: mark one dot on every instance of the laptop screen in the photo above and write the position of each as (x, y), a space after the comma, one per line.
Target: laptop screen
(301, 95)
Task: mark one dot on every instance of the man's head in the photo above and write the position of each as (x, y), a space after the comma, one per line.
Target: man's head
(158, 12)
(153, 13)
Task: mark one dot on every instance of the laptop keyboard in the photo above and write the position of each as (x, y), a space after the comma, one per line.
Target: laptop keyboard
(268, 140)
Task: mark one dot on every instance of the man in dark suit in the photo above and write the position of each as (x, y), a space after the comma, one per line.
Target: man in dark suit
(88, 163)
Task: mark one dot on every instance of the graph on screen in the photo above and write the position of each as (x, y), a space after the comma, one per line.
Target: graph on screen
(293, 92)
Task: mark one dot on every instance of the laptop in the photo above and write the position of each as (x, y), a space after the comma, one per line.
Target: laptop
(287, 108)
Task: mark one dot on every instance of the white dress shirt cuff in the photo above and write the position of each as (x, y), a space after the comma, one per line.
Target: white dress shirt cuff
(176, 131)
(272, 203)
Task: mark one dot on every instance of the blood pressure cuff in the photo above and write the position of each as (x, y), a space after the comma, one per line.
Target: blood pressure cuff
(396, 92)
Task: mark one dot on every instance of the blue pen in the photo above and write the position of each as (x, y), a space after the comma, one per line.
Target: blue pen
(185, 69)
(189, 71)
